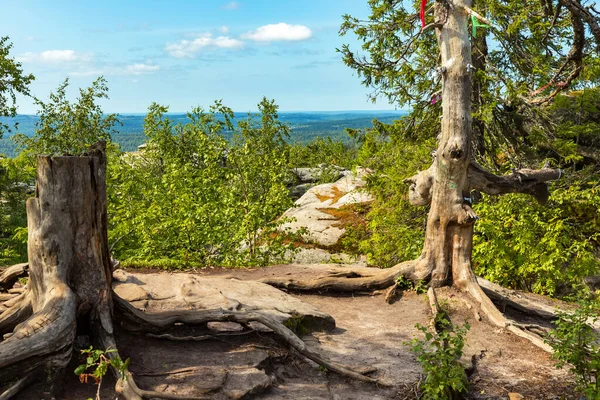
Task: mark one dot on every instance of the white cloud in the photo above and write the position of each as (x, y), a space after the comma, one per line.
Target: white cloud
(88, 72)
(279, 32)
(131, 69)
(232, 5)
(55, 57)
(187, 48)
(224, 29)
(140, 69)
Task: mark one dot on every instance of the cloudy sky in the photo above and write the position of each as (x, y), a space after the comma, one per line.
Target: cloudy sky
(188, 53)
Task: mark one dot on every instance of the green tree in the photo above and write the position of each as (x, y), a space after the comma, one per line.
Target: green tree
(63, 128)
(167, 202)
(483, 94)
(13, 81)
(14, 184)
(191, 198)
(259, 158)
(530, 53)
(70, 128)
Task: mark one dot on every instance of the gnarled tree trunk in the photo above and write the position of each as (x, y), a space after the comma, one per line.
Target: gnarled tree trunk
(447, 250)
(446, 185)
(69, 268)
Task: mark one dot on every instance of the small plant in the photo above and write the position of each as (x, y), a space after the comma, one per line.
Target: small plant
(574, 342)
(439, 356)
(96, 366)
(419, 286)
(404, 283)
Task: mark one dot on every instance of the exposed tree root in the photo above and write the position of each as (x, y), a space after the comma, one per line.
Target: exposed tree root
(9, 276)
(15, 388)
(200, 338)
(435, 310)
(180, 371)
(494, 315)
(368, 279)
(511, 298)
(7, 296)
(158, 322)
(348, 279)
(392, 293)
(19, 309)
(127, 388)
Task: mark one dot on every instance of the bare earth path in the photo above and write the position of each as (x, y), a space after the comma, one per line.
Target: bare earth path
(369, 333)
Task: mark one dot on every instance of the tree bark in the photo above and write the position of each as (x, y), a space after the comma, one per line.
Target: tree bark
(69, 268)
(446, 254)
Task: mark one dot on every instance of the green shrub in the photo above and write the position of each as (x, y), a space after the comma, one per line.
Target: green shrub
(439, 356)
(547, 248)
(97, 364)
(396, 227)
(323, 151)
(575, 343)
(194, 198)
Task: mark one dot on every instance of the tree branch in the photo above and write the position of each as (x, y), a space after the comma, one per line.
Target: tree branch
(528, 181)
(479, 17)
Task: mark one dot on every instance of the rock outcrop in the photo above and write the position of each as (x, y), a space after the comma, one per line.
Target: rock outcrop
(308, 213)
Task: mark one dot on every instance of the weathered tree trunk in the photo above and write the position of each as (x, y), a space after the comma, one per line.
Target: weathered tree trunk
(446, 186)
(69, 267)
(447, 250)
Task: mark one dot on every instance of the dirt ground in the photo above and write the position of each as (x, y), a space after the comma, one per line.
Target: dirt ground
(369, 333)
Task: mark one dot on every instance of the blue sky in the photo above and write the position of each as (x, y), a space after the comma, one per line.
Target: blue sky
(188, 53)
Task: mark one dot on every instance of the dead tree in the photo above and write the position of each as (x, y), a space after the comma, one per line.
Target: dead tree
(69, 286)
(446, 186)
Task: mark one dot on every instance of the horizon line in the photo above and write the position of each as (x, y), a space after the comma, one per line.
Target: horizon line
(251, 111)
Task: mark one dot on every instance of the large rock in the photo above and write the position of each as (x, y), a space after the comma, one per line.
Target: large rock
(312, 175)
(161, 292)
(321, 226)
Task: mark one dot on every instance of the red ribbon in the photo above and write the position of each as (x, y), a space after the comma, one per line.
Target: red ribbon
(423, 4)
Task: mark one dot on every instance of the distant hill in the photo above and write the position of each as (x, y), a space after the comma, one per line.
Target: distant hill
(305, 126)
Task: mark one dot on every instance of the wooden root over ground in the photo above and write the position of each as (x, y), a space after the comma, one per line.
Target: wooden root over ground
(364, 279)
(69, 289)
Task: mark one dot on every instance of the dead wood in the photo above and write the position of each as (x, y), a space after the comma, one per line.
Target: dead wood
(527, 181)
(392, 293)
(435, 310)
(518, 301)
(198, 338)
(6, 296)
(347, 279)
(16, 387)
(9, 276)
(159, 322)
(19, 309)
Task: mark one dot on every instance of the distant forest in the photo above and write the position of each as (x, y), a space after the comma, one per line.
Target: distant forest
(305, 126)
